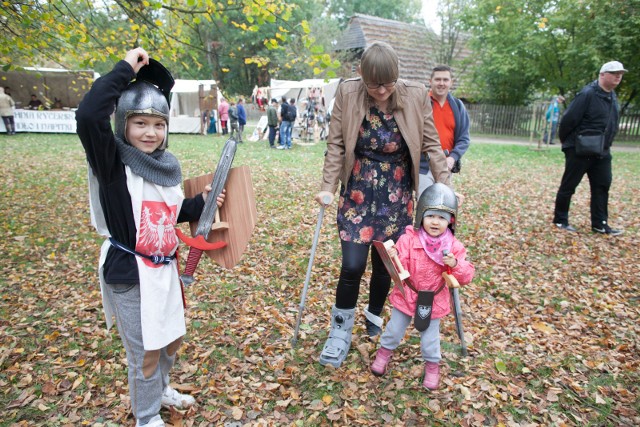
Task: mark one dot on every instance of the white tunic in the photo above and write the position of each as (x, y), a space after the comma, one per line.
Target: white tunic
(155, 210)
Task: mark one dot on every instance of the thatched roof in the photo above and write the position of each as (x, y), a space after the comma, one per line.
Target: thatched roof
(413, 43)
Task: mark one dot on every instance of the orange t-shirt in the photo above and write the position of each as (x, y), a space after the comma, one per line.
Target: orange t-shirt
(445, 123)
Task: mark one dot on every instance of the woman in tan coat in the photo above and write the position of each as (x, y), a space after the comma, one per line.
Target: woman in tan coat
(6, 111)
(380, 125)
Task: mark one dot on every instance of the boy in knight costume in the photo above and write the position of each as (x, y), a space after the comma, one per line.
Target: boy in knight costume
(136, 201)
(426, 250)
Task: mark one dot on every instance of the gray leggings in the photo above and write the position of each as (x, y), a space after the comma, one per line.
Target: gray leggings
(148, 370)
(429, 338)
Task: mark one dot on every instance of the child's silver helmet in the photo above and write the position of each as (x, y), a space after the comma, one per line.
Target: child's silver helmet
(141, 97)
(437, 199)
(149, 95)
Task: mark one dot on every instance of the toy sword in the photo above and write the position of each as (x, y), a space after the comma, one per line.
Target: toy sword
(454, 286)
(199, 243)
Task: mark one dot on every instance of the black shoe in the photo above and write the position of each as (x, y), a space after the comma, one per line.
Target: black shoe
(566, 227)
(372, 329)
(605, 229)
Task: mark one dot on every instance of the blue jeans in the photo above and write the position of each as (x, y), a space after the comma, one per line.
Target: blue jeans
(272, 135)
(285, 133)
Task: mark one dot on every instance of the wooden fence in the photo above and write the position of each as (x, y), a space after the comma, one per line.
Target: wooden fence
(530, 121)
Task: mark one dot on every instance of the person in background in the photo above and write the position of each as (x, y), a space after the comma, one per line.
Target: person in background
(285, 125)
(552, 117)
(373, 152)
(7, 107)
(35, 103)
(595, 107)
(272, 121)
(233, 120)
(242, 118)
(451, 120)
(223, 113)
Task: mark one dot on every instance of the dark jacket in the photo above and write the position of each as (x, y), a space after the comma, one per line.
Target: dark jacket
(94, 129)
(589, 112)
(461, 139)
(272, 116)
(242, 114)
(233, 114)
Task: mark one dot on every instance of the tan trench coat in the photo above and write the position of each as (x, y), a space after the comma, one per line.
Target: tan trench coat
(415, 121)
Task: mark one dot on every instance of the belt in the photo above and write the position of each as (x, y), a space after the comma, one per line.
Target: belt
(155, 259)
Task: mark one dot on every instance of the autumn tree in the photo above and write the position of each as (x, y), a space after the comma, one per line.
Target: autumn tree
(240, 59)
(451, 39)
(81, 34)
(525, 49)
(398, 10)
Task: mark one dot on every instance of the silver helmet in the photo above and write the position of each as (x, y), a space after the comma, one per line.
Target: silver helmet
(440, 199)
(141, 97)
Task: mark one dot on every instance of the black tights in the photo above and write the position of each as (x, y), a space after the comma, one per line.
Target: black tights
(354, 262)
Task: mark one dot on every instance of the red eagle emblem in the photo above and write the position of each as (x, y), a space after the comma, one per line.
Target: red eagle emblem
(157, 230)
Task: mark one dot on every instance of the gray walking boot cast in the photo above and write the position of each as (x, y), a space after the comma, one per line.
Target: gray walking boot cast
(337, 346)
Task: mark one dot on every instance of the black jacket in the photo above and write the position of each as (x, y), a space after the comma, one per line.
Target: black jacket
(94, 130)
(590, 112)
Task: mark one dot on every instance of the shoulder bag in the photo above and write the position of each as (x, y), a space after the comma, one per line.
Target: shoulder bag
(591, 143)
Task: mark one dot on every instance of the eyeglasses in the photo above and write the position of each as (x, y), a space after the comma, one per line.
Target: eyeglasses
(377, 85)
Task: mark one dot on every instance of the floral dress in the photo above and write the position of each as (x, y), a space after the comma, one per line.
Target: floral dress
(377, 203)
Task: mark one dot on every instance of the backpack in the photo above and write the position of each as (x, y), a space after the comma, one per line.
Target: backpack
(291, 113)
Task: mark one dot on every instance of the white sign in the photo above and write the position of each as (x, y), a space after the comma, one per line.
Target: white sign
(43, 121)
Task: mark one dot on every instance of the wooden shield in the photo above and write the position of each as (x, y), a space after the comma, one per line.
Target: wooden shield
(394, 267)
(238, 211)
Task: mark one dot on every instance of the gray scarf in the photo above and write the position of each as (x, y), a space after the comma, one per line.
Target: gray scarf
(159, 167)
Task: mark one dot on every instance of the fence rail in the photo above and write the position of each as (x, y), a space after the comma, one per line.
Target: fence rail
(530, 121)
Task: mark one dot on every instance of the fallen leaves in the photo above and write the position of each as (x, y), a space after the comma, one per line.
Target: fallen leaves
(550, 319)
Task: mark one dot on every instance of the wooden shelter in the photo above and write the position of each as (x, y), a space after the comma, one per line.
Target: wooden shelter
(413, 43)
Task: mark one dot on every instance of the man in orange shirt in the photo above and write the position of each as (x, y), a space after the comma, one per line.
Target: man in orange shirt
(451, 120)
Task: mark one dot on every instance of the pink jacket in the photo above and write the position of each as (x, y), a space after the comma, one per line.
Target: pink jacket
(427, 275)
(223, 111)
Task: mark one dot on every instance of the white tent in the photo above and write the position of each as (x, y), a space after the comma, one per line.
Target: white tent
(300, 90)
(185, 105)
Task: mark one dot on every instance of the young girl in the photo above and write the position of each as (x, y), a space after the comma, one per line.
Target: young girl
(426, 250)
(136, 201)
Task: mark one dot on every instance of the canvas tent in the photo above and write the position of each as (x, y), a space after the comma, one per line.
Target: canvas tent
(48, 84)
(300, 90)
(186, 99)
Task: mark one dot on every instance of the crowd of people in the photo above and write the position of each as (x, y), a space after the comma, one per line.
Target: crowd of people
(283, 116)
(379, 161)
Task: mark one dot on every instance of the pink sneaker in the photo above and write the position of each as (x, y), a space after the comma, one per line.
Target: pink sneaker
(431, 376)
(379, 366)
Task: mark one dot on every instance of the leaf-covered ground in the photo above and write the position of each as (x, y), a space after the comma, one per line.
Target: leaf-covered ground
(552, 317)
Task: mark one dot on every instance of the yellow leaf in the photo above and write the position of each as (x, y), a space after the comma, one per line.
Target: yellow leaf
(77, 382)
(327, 399)
(236, 413)
(543, 327)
